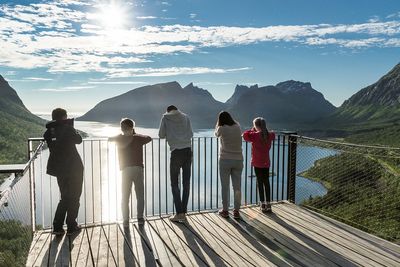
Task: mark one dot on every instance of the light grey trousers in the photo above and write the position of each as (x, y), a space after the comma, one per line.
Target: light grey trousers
(231, 169)
(132, 174)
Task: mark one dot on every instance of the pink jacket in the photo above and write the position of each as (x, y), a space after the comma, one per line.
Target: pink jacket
(259, 149)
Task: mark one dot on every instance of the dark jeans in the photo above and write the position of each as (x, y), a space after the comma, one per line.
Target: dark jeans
(180, 159)
(263, 183)
(70, 189)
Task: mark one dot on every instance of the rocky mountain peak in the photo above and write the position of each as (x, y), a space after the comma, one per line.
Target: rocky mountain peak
(294, 86)
(385, 92)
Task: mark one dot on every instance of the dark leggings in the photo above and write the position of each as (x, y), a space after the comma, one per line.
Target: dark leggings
(263, 183)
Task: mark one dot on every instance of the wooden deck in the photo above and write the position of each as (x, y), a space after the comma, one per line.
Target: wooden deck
(291, 236)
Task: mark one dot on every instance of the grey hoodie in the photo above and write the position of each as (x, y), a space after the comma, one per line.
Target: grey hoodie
(176, 128)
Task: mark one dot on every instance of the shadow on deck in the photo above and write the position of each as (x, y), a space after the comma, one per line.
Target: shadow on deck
(290, 236)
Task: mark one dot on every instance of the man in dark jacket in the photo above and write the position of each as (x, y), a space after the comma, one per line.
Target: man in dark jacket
(66, 164)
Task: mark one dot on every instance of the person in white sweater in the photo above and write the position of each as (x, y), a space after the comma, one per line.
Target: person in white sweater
(230, 161)
(175, 126)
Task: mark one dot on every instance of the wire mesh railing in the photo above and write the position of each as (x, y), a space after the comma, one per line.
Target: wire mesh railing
(101, 194)
(16, 210)
(359, 185)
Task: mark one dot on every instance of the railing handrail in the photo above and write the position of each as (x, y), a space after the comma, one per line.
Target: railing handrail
(18, 173)
(346, 144)
(21, 169)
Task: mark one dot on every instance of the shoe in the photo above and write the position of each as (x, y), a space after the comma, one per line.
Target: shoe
(268, 208)
(179, 217)
(224, 213)
(141, 221)
(263, 207)
(236, 214)
(58, 232)
(74, 230)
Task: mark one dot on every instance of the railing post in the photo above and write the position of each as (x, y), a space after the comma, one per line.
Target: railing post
(32, 188)
(291, 166)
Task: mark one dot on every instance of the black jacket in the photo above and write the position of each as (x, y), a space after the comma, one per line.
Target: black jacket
(64, 159)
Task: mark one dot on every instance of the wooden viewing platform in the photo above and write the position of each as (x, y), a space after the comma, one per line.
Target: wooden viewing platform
(290, 236)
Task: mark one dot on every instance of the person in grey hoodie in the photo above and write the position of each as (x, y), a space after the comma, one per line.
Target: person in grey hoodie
(175, 126)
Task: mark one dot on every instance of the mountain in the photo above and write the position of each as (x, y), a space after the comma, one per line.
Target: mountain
(146, 104)
(377, 103)
(17, 125)
(239, 91)
(288, 104)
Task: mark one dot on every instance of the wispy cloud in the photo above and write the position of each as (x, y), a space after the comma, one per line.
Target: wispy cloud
(161, 72)
(66, 89)
(37, 79)
(146, 17)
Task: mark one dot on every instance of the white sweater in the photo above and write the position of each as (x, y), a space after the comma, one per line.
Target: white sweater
(231, 141)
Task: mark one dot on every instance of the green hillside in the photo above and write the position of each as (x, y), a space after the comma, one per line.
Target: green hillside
(17, 125)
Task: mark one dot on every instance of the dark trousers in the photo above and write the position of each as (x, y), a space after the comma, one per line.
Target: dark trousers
(70, 190)
(263, 183)
(180, 159)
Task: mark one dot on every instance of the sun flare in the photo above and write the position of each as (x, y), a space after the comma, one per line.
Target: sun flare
(112, 16)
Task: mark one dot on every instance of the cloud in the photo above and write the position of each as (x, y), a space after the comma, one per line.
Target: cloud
(66, 89)
(162, 72)
(37, 79)
(146, 17)
(59, 36)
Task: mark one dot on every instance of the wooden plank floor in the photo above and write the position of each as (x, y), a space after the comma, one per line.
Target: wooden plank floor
(290, 236)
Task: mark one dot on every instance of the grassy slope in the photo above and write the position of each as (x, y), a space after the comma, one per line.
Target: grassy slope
(17, 125)
(364, 190)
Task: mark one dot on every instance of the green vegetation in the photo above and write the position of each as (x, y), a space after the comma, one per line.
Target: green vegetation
(387, 135)
(15, 240)
(363, 191)
(17, 125)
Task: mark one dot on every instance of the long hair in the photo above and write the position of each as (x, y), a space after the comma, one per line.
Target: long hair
(260, 123)
(224, 118)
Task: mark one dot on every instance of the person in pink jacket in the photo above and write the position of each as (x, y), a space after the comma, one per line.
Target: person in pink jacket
(261, 140)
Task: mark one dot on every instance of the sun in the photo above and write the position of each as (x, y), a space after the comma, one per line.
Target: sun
(112, 16)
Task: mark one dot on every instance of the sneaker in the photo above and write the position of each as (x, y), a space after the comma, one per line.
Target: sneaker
(224, 213)
(263, 207)
(74, 230)
(236, 214)
(58, 232)
(141, 221)
(179, 217)
(268, 208)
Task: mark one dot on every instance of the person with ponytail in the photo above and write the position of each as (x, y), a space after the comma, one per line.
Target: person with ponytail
(261, 140)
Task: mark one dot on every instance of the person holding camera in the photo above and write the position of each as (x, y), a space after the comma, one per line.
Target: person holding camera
(65, 163)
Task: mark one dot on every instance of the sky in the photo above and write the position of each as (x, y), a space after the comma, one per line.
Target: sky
(74, 54)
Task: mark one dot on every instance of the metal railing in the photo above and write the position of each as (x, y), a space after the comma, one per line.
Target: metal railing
(357, 184)
(17, 212)
(100, 200)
